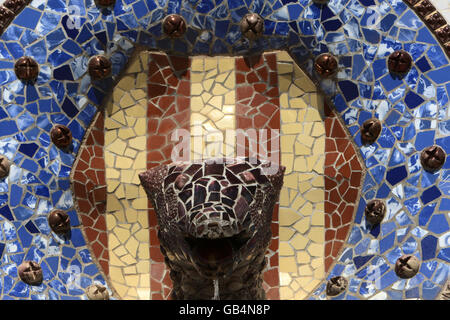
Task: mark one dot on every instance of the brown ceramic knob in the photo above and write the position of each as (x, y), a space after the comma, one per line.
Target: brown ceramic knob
(97, 292)
(99, 67)
(30, 272)
(14, 5)
(399, 62)
(105, 3)
(252, 26)
(5, 165)
(375, 211)
(370, 130)
(336, 286)
(61, 136)
(174, 26)
(27, 69)
(432, 158)
(407, 266)
(59, 221)
(326, 65)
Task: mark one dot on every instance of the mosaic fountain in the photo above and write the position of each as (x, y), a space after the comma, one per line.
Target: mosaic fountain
(358, 89)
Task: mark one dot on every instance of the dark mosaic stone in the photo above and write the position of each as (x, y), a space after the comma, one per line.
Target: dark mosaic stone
(412, 2)
(447, 47)
(180, 181)
(226, 229)
(105, 3)
(424, 8)
(214, 169)
(6, 16)
(15, 5)
(435, 21)
(321, 2)
(443, 33)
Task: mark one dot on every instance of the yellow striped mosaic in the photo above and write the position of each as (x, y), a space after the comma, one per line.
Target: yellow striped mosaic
(213, 83)
(301, 210)
(127, 206)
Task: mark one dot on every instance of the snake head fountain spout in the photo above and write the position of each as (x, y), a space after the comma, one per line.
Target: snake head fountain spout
(214, 220)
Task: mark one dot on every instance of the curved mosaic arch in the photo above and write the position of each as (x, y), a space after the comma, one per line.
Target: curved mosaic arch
(415, 107)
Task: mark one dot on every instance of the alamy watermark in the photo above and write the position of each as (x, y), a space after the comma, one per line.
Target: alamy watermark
(262, 145)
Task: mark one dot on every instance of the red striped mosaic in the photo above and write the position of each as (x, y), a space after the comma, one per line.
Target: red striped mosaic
(89, 187)
(343, 178)
(258, 107)
(168, 109)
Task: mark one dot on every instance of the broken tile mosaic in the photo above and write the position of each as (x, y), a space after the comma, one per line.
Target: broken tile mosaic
(120, 126)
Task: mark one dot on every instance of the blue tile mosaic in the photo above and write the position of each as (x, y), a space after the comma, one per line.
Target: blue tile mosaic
(417, 118)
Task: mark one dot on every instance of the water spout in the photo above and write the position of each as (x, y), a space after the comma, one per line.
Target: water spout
(216, 289)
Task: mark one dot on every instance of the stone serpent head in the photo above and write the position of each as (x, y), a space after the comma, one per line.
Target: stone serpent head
(213, 215)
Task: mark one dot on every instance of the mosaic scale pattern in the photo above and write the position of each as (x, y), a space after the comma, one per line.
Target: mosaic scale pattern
(217, 203)
(414, 109)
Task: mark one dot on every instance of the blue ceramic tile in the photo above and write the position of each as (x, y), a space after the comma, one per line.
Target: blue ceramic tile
(438, 224)
(359, 261)
(430, 194)
(409, 246)
(396, 175)
(30, 226)
(28, 18)
(444, 254)
(413, 100)
(428, 245)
